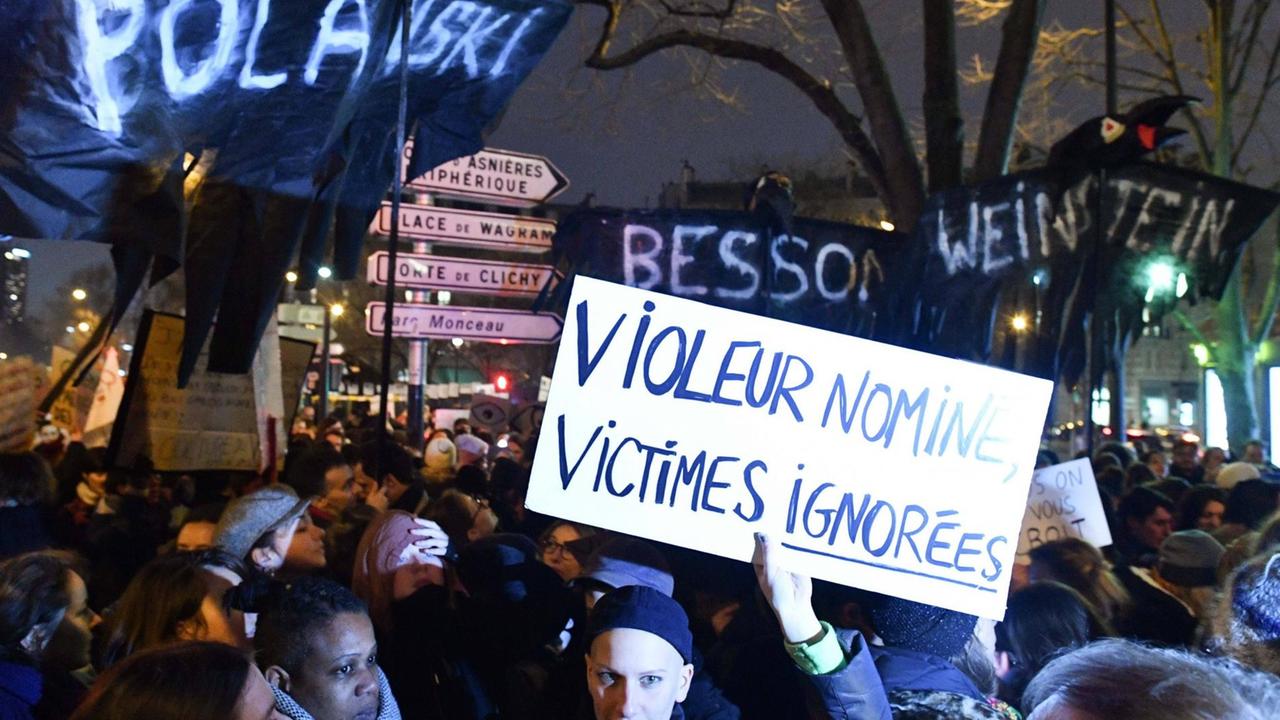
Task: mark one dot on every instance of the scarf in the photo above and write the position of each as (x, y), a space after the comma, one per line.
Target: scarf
(387, 708)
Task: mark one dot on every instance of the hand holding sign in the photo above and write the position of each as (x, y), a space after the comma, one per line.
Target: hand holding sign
(790, 595)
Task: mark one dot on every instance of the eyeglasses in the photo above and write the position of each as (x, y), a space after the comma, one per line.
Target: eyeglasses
(551, 547)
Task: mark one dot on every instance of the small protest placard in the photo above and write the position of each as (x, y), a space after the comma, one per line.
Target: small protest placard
(215, 423)
(17, 404)
(877, 467)
(1063, 503)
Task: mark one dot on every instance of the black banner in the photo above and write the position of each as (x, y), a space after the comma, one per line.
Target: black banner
(290, 107)
(821, 274)
(1033, 233)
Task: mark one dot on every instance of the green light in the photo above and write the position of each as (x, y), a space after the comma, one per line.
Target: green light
(1202, 354)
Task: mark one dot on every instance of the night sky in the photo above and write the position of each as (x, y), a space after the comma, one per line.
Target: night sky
(621, 135)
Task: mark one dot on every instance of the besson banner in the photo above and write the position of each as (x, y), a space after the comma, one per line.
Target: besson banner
(877, 467)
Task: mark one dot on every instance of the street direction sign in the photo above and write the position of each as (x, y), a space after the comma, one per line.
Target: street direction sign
(433, 272)
(444, 322)
(468, 227)
(501, 177)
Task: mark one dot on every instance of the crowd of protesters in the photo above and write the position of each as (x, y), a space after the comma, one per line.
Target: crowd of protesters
(370, 582)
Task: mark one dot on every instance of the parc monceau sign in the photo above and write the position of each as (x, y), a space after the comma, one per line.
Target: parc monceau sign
(290, 112)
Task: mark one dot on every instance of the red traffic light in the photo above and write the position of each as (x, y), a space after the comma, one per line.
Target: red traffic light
(502, 383)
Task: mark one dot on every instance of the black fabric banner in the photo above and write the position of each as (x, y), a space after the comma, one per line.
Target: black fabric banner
(939, 289)
(289, 105)
(821, 274)
(999, 236)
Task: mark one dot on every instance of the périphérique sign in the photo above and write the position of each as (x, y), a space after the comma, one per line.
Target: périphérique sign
(501, 177)
(468, 228)
(417, 321)
(435, 272)
(875, 466)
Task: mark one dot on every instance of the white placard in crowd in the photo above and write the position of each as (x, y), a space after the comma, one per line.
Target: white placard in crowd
(878, 467)
(1063, 503)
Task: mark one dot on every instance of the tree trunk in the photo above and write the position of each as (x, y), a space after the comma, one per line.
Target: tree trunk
(903, 176)
(943, 124)
(1235, 357)
(1021, 32)
(1235, 353)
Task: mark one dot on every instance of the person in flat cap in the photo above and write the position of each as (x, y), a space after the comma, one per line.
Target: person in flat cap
(261, 529)
(639, 653)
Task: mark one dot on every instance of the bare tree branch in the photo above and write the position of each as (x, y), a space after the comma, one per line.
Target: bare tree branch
(1271, 302)
(1269, 81)
(1166, 56)
(1017, 48)
(902, 169)
(943, 123)
(700, 9)
(819, 93)
(1254, 14)
(1191, 327)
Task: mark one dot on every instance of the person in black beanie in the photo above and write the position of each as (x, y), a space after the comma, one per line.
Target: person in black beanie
(639, 655)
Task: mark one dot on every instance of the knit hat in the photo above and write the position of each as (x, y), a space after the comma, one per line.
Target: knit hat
(1255, 597)
(923, 628)
(621, 561)
(440, 458)
(470, 448)
(1232, 473)
(1190, 558)
(251, 516)
(379, 554)
(637, 607)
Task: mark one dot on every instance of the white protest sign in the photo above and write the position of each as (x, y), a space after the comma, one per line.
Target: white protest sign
(877, 467)
(1063, 503)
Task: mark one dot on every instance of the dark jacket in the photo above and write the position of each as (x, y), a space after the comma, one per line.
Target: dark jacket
(880, 683)
(23, 528)
(20, 689)
(27, 694)
(1154, 615)
(855, 691)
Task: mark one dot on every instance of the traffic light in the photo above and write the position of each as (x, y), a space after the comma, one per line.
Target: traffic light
(501, 382)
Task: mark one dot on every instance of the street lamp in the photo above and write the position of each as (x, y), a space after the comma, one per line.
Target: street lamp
(1018, 323)
(291, 277)
(886, 226)
(83, 326)
(333, 311)
(79, 294)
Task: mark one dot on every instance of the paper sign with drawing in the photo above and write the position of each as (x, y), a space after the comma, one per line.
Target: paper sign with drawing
(878, 467)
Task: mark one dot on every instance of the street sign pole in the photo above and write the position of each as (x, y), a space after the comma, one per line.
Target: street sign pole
(417, 368)
(384, 400)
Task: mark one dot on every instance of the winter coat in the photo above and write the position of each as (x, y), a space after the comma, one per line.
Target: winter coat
(20, 688)
(880, 682)
(387, 708)
(23, 528)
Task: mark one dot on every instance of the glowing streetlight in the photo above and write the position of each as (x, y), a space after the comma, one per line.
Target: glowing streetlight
(291, 277)
(4, 356)
(886, 226)
(83, 326)
(457, 342)
(337, 309)
(1018, 323)
(325, 272)
(126, 347)
(79, 294)
(71, 329)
